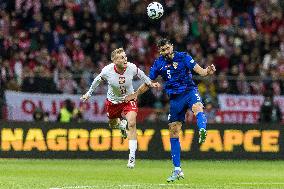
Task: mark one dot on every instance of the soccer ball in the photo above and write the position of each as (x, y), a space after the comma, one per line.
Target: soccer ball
(155, 10)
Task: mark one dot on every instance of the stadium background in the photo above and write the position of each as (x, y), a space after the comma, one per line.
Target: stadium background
(51, 50)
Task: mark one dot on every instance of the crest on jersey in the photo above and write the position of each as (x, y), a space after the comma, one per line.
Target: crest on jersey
(175, 65)
(121, 80)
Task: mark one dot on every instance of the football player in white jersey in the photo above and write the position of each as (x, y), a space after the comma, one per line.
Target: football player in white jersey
(119, 76)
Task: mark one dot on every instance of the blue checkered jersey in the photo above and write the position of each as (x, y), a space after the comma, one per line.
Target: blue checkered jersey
(176, 72)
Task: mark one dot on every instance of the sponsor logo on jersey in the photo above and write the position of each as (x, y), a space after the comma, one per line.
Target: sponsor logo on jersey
(121, 80)
(175, 65)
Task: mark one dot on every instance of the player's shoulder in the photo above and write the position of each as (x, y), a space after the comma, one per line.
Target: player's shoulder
(182, 54)
(159, 60)
(131, 65)
(108, 68)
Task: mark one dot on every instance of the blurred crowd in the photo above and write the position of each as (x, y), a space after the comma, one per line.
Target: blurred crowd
(58, 46)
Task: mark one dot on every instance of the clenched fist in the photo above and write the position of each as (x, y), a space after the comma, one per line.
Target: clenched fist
(155, 85)
(131, 97)
(85, 97)
(211, 69)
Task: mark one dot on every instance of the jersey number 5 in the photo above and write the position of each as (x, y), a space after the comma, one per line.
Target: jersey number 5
(197, 97)
(169, 74)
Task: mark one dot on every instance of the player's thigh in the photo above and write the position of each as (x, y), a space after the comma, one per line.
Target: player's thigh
(131, 118)
(177, 110)
(194, 100)
(113, 110)
(175, 116)
(130, 112)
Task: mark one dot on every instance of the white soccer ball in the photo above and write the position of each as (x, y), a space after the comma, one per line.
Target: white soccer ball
(155, 10)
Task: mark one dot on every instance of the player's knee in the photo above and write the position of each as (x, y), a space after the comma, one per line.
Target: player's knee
(197, 107)
(131, 124)
(174, 133)
(174, 129)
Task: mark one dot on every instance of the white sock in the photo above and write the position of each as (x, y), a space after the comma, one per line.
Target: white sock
(132, 147)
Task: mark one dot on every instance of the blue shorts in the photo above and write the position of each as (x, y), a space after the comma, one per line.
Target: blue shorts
(180, 103)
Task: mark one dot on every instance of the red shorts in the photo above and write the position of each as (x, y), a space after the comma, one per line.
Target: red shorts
(121, 109)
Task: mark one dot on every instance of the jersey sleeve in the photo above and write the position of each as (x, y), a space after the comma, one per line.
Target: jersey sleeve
(143, 76)
(96, 82)
(140, 74)
(189, 62)
(154, 72)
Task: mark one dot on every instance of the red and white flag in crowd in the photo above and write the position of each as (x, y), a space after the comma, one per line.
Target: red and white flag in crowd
(243, 109)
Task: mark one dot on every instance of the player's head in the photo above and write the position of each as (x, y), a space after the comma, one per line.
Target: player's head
(165, 48)
(118, 57)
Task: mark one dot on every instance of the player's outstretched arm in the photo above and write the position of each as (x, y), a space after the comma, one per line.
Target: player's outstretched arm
(142, 89)
(94, 85)
(146, 79)
(204, 72)
(146, 85)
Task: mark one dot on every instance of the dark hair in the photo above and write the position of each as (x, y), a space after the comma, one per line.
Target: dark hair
(268, 92)
(162, 42)
(69, 105)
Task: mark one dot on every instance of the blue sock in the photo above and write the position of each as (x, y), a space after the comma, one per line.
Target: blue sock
(201, 120)
(175, 151)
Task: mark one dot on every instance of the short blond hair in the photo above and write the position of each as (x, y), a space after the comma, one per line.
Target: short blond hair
(115, 52)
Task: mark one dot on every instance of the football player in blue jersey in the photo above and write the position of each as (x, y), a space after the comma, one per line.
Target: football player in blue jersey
(176, 70)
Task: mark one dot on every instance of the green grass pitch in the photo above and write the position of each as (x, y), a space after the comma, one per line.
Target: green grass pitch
(112, 174)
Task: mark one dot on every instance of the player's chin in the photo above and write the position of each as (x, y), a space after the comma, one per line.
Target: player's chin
(167, 56)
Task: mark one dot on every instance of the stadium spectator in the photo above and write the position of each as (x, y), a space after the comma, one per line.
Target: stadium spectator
(38, 114)
(46, 117)
(69, 113)
(270, 111)
(210, 111)
(61, 44)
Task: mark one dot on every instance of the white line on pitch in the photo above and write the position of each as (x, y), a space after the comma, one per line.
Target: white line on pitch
(111, 186)
(157, 185)
(260, 183)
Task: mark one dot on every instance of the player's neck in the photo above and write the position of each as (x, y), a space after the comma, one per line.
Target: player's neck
(119, 70)
(170, 57)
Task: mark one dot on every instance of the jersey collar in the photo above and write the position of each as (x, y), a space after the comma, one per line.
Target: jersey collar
(175, 56)
(115, 69)
(170, 60)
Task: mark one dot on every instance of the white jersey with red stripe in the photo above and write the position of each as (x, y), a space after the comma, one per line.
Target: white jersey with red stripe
(119, 84)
